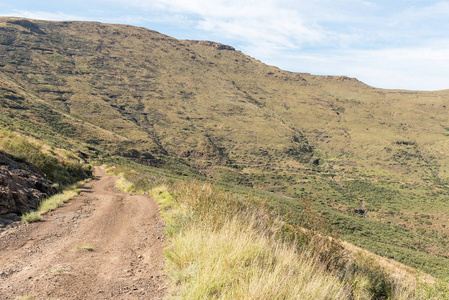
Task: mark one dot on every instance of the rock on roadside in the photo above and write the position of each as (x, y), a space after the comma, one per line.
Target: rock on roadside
(22, 186)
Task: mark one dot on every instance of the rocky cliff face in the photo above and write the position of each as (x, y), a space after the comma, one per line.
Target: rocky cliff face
(22, 186)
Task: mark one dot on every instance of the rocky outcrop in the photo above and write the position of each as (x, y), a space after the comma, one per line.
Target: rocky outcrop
(22, 186)
(219, 46)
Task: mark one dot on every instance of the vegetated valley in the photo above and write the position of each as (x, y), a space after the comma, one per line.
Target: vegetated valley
(373, 163)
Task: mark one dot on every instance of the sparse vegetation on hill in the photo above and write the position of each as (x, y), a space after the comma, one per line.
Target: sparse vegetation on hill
(374, 162)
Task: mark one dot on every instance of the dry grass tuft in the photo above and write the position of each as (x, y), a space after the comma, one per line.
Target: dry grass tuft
(58, 200)
(26, 297)
(31, 217)
(53, 202)
(124, 185)
(226, 246)
(85, 247)
(238, 262)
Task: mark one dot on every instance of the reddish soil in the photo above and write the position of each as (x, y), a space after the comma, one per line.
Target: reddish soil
(45, 260)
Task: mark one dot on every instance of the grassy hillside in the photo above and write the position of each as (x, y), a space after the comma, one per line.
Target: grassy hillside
(373, 161)
(227, 245)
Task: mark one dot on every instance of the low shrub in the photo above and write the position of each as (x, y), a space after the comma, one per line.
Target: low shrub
(31, 217)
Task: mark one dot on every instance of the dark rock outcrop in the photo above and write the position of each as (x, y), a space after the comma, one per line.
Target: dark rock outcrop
(22, 186)
(219, 46)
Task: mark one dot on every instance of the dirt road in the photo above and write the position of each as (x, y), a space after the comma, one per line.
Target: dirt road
(49, 259)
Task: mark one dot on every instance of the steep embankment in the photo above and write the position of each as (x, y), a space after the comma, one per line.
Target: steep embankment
(22, 186)
(102, 244)
(31, 171)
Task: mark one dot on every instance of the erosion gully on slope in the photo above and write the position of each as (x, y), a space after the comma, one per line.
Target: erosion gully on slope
(103, 244)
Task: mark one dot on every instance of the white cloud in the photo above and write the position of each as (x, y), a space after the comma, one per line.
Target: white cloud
(44, 15)
(438, 9)
(424, 68)
(252, 22)
(135, 19)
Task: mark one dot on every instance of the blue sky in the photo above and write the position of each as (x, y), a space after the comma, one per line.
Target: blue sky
(388, 44)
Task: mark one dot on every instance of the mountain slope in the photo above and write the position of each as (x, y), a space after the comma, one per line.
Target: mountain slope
(374, 161)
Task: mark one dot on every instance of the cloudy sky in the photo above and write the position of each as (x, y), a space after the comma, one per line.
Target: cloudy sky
(389, 44)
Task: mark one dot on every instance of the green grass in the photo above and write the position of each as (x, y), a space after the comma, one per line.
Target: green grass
(124, 185)
(53, 202)
(31, 217)
(26, 297)
(389, 240)
(240, 238)
(438, 290)
(89, 248)
(58, 200)
(239, 262)
(218, 250)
